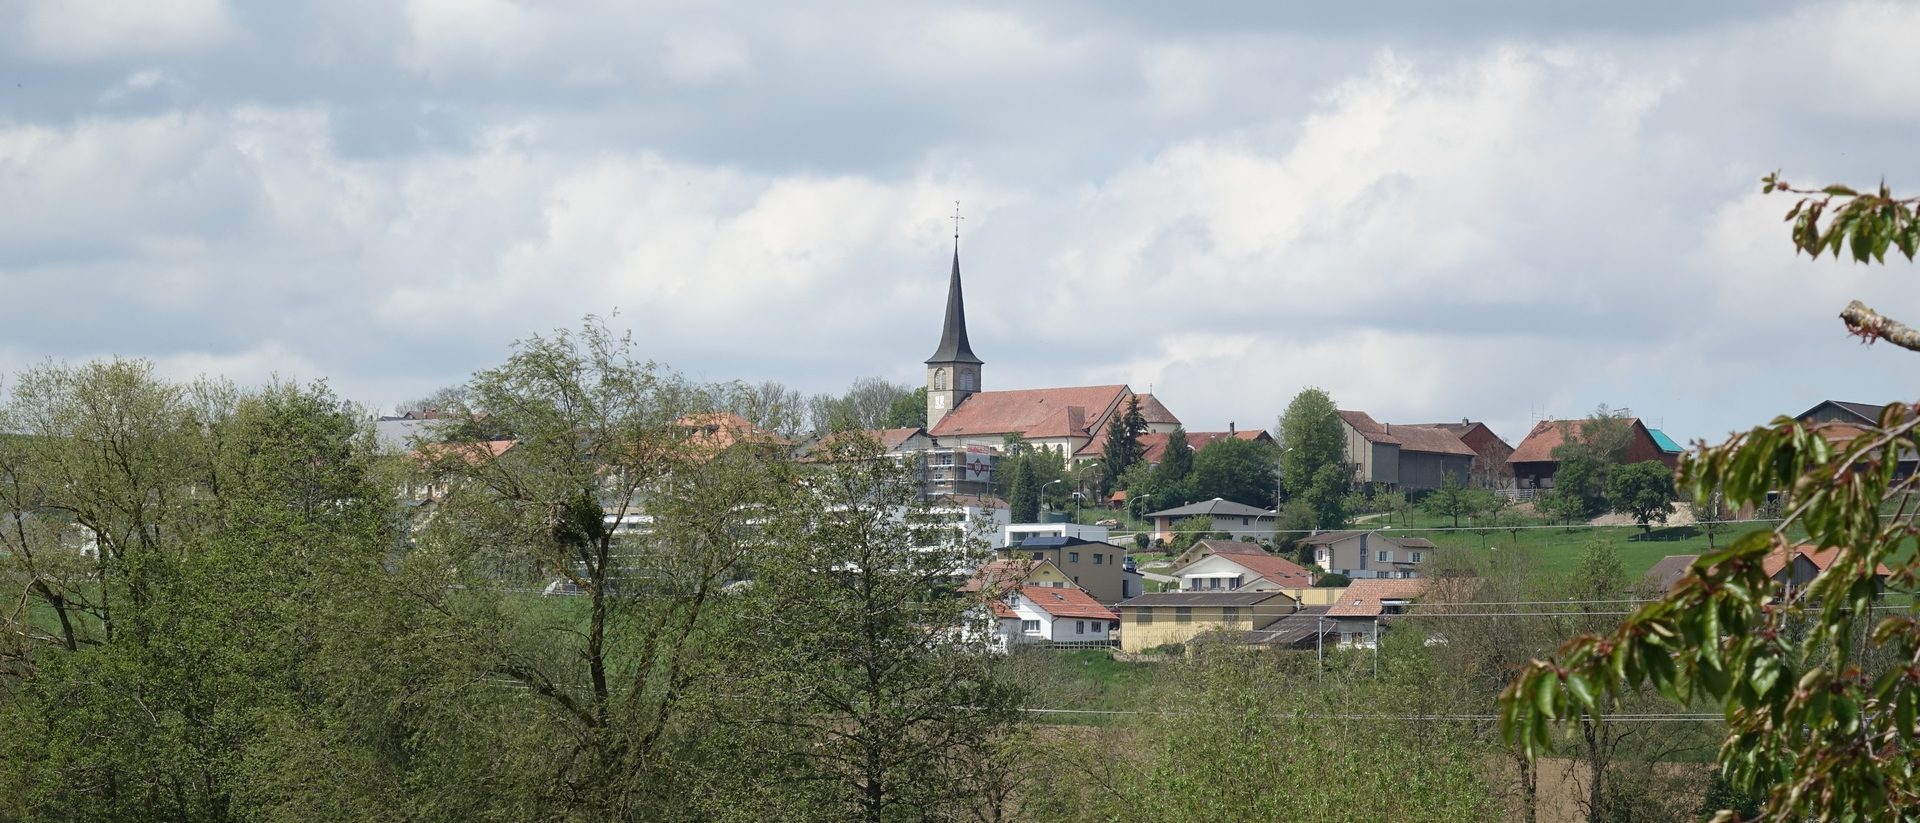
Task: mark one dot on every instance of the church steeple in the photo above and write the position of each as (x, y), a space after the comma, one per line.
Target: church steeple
(953, 372)
(953, 346)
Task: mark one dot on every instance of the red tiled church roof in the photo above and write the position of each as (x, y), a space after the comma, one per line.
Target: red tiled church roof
(1032, 412)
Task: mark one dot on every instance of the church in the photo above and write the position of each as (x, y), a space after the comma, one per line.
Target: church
(961, 413)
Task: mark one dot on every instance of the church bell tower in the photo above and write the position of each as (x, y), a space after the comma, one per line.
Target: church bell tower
(953, 372)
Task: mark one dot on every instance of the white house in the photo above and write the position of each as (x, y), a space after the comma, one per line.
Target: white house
(1013, 534)
(1365, 554)
(1043, 614)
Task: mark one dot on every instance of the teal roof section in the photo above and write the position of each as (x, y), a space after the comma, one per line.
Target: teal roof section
(1665, 443)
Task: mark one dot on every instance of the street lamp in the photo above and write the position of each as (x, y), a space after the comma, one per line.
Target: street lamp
(1132, 499)
(1043, 487)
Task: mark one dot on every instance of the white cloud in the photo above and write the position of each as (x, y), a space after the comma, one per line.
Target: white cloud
(1470, 230)
(71, 31)
(449, 37)
(698, 58)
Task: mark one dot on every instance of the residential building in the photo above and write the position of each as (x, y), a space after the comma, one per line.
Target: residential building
(1041, 614)
(1162, 618)
(1361, 555)
(1367, 607)
(1408, 458)
(1014, 533)
(1204, 548)
(1534, 464)
(1099, 567)
(1017, 572)
(1238, 520)
(1840, 411)
(1232, 572)
(1489, 469)
(1792, 571)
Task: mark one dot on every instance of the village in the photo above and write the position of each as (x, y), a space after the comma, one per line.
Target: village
(1092, 566)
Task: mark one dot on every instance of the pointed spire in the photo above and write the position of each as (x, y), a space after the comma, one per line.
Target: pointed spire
(953, 337)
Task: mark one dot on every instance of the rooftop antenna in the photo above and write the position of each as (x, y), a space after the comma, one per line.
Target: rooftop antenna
(956, 225)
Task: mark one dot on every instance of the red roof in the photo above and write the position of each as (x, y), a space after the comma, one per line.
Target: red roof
(1362, 599)
(1775, 562)
(718, 431)
(1280, 570)
(1547, 435)
(1067, 603)
(1031, 412)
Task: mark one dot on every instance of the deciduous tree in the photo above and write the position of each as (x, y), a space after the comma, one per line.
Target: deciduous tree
(1817, 689)
(1643, 491)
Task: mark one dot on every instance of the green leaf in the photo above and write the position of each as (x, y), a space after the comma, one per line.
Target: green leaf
(1545, 690)
(1764, 675)
(1581, 688)
(1838, 190)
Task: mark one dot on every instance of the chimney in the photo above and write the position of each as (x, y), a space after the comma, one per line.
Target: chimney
(1229, 428)
(1464, 421)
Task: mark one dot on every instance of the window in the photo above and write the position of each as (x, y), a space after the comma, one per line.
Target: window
(939, 379)
(1416, 557)
(1039, 556)
(1320, 554)
(1384, 556)
(1099, 559)
(1143, 615)
(966, 379)
(1079, 627)
(1231, 614)
(1030, 626)
(1245, 521)
(1183, 614)
(1073, 557)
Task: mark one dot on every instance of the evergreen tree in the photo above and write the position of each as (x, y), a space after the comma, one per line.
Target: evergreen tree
(1123, 443)
(1176, 465)
(1023, 494)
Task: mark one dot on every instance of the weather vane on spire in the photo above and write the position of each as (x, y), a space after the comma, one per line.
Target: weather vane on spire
(956, 222)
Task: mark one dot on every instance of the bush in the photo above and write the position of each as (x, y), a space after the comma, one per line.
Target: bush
(1332, 580)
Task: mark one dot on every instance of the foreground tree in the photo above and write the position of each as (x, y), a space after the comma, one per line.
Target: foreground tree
(877, 698)
(1820, 693)
(601, 439)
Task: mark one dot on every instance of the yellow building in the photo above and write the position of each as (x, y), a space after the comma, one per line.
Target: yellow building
(1153, 620)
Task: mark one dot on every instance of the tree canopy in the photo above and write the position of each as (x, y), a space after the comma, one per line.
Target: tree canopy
(1313, 457)
(1817, 685)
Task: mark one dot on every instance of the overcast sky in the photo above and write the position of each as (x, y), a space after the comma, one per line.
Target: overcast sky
(1432, 210)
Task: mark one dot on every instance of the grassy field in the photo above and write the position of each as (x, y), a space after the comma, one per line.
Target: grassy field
(1556, 550)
